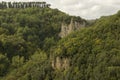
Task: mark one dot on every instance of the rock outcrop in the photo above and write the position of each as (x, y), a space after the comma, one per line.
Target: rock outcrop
(67, 29)
(60, 63)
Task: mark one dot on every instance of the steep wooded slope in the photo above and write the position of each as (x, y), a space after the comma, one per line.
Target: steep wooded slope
(28, 46)
(94, 52)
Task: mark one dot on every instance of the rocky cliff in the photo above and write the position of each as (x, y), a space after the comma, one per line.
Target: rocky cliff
(68, 28)
(60, 63)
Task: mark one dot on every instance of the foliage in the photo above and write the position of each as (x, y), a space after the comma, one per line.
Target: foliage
(94, 51)
(29, 43)
(4, 63)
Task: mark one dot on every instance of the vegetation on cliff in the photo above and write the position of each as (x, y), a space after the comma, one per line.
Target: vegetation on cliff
(94, 52)
(30, 42)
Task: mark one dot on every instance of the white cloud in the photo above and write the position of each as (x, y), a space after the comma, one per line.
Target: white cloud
(91, 8)
(85, 8)
(69, 2)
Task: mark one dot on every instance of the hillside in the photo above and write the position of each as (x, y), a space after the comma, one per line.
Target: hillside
(93, 53)
(31, 48)
(26, 31)
(33, 26)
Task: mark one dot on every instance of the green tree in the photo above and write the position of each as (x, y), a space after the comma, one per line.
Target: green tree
(4, 64)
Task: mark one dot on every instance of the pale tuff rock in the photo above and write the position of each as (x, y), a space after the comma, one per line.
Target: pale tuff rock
(60, 63)
(67, 29)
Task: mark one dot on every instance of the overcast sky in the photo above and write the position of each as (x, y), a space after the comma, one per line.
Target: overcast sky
(88, 9)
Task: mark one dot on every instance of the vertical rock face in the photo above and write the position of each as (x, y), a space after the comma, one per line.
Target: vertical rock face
(60, 63)
(67, 29)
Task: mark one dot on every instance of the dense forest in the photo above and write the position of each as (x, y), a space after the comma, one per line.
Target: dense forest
(31, 49)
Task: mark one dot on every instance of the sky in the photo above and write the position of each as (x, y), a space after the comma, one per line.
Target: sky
(88, 9)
